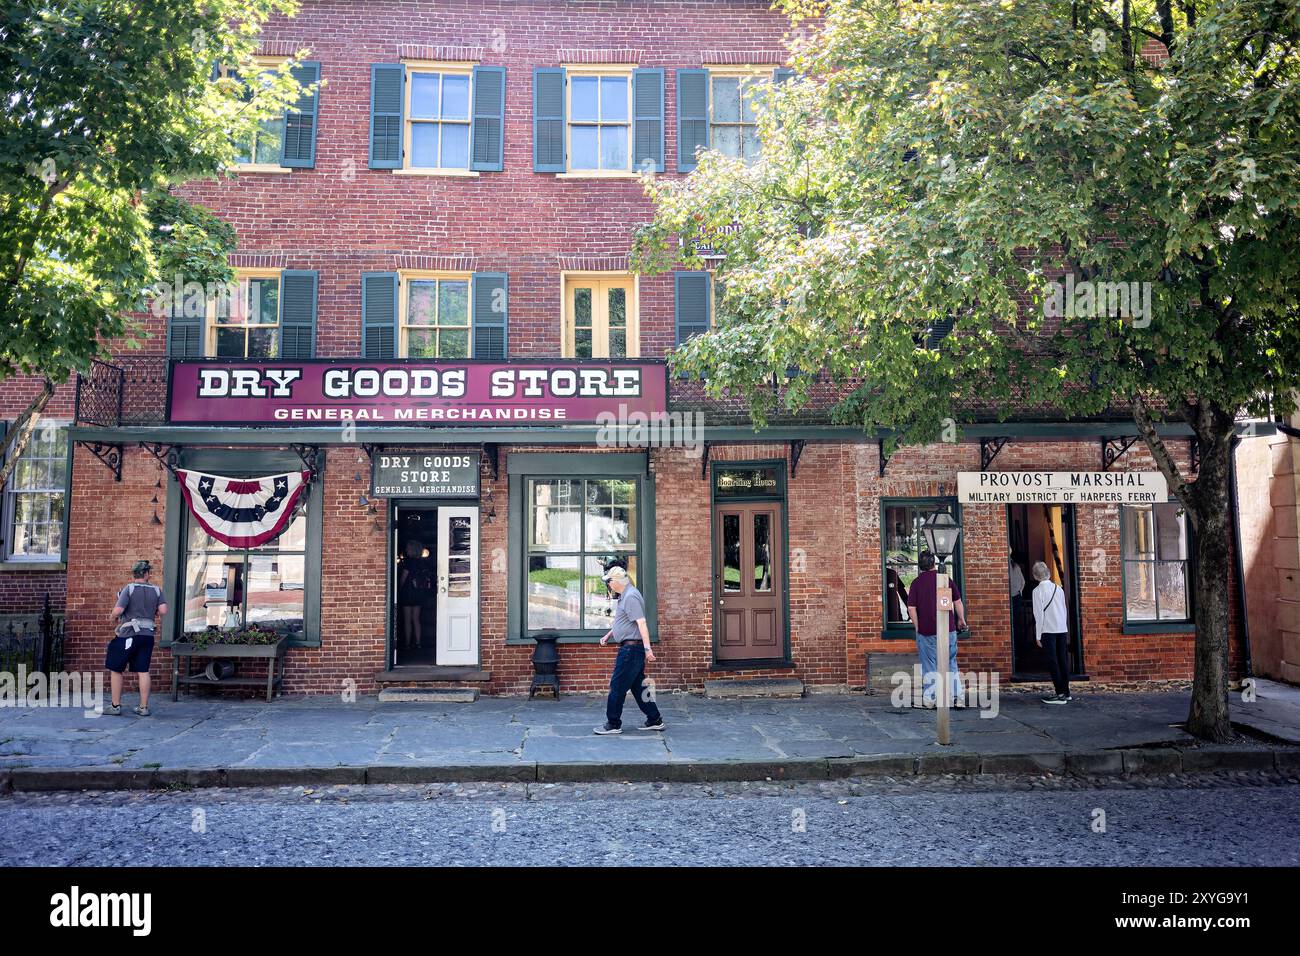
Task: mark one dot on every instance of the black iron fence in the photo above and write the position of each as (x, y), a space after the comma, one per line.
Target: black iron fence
(130, 391)
(34, 643)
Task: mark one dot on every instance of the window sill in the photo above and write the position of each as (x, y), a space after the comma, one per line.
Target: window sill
(595, 639)
(910, 635)
(18, 564)
(1159, 627)
(463, 173)
(595, 174)
(248, 168)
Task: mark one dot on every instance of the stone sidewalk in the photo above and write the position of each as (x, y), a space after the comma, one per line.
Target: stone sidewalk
(210, 742)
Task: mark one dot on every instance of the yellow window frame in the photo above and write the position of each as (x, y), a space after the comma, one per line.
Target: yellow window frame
(747, 76)
(445, 68)
(600, 283)
(405, 279)
(242, 277)
(621, 71)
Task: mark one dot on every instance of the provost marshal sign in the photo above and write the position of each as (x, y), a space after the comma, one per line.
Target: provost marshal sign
(409, 474)
(1061, 487)
(465, 394)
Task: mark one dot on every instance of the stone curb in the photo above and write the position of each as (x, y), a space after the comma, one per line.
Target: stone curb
(1089, 762)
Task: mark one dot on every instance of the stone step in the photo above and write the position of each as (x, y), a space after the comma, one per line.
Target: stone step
(757, 687)
(428, 695)
(417, 673)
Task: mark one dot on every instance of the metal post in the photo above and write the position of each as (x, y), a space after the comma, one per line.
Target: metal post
(943, 698)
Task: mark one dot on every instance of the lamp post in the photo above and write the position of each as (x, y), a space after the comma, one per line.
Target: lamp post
(941, 532)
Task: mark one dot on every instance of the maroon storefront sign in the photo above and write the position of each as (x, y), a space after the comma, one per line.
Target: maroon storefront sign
(465, 393)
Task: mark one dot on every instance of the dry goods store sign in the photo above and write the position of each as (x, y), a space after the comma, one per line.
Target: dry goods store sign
(412, 474)
(464, 394)
(1061, 487)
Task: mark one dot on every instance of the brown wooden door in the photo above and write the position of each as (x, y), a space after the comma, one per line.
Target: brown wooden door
(748, 574)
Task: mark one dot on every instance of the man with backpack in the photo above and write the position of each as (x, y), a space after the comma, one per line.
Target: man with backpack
(138, 604)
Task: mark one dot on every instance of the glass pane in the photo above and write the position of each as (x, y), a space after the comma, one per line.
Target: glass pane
(617, 343)
(270, 603)
(424, 145)
(609, 526)
(613, 98)
(455, 97)
(726, 140)
(455, 146)
(421, 306)
(268, 140)
(1171, 536)
(582, 307)
(899, 576)
(424, 95)
(731, 552)
(294, 537)
(556, 514)
(1140, 591)
(453, 343)
(726, 99)
(460, 550)
(598, 601)
(553, 597)
(762, 552)
(1136, 520)
(751, 96)
(230, 343)
(453, 303)
(263, 301)
(613, 147)
(582, 343)
(214, 590)
(421, 343)
(617, 307)
(750, 145)
(583, 100)
(1171, 588)
(582, 147)
(263, 343)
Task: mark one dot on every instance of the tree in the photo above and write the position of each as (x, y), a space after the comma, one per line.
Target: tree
(972, 166)
(107, 104)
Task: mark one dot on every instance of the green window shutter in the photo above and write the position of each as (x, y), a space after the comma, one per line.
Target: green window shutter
(648, 118)
(487, 125)
(548, 120)
(379, 315)
(387, 85)
(297, 314)
(691, 304)
(491, 315)
(937, 331)
(781, 74)
(185, 336)
(298, 148)
(692, 116)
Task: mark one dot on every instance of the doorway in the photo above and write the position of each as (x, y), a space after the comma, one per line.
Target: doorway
(1043, 533)
(433, 613)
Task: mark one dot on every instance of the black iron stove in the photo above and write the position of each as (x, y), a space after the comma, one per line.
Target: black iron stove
(546, 660)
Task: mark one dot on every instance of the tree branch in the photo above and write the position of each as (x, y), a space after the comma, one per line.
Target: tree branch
(1160, 452)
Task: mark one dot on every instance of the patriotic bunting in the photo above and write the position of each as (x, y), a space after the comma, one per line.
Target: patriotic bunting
(242, 512)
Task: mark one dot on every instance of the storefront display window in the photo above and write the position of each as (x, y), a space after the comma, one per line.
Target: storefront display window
(1156, 553)
(901, 545)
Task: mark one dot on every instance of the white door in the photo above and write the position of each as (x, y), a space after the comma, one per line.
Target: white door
(457, 586)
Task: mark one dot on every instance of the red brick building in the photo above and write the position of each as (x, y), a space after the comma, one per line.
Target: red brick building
(461, 194)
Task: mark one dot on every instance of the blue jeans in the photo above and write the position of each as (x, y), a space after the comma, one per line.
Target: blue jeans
(927, 645)
(629, 675)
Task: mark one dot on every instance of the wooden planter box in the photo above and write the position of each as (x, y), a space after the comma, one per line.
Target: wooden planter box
(273, 654)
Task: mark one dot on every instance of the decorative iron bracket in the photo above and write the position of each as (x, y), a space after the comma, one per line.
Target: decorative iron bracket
(884, 459)
(492, 454)
(796, 450)
(989, 448)
(168, 455)
(110, 453)
(704, 461)
(310, 455)
(1112, 450)
(370, 451)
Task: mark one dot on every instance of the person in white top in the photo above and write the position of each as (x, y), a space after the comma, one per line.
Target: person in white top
(1050, 626)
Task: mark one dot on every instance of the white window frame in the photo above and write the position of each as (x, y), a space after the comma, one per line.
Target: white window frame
(265, 64)
(405, 279)
(463, 68)
(8, 508)
(746, 74)
(623, 71)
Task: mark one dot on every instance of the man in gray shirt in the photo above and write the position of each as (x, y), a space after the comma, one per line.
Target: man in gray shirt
(633, 637)
(138, 604)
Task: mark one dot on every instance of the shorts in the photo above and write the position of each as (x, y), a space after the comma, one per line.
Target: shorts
(133, 649)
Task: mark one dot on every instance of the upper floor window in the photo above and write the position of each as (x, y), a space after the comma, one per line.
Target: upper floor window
(289, 140)
(1156, 563)
(247, 323)
(435, 317)
(599, 120)
(733, 113)
(600, 317)
(35, 503)
(438, 118)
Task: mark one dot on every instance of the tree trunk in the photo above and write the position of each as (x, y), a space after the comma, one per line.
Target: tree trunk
(23, 428)
(1208, 716)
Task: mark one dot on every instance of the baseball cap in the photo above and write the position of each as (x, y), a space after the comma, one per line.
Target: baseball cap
(616, 573)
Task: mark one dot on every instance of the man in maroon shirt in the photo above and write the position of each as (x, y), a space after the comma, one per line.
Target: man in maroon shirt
(922, 605)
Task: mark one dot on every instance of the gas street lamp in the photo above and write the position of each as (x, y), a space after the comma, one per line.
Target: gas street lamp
(942, 532)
